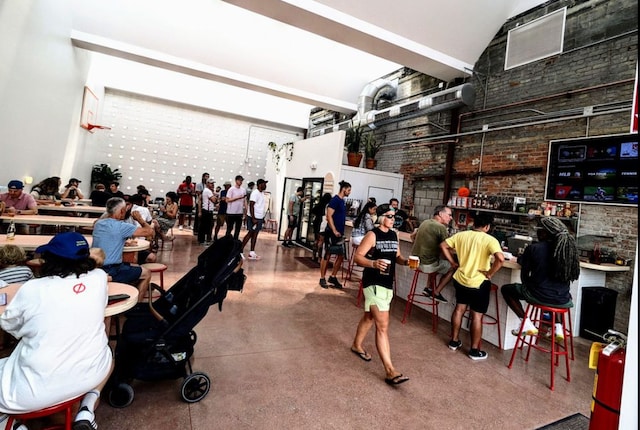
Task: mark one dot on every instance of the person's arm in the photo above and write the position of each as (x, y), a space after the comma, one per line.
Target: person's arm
(360, 257)
(498, 261)
(145, 229)
(171, 211)
(290, 210)
(32, 207)
(332, 226)
(446, 252)
(79, 193)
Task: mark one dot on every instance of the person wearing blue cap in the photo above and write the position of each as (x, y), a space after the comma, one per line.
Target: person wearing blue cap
(63, 350)
(16, 202)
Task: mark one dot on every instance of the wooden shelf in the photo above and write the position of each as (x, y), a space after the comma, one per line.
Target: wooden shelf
(495, 211)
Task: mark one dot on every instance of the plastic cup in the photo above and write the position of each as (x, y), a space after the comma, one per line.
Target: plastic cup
(414, 262)
(388, 267)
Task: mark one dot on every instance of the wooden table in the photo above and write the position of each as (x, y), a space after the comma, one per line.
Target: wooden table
(75, 208)
(130, 252)
(110, 310)
(29, 242)
(50, 220)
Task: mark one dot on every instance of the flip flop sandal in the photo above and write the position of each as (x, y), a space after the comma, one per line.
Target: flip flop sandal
(396, 380)
(363, 355)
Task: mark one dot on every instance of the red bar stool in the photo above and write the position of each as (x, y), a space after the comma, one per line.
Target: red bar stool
(153, 288)
(156, 268)
(66, 407)
(535, 313)
(490, 319)
(419, 298)
(351, 265)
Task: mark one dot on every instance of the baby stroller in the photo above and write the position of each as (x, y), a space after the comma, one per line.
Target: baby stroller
(157, 339)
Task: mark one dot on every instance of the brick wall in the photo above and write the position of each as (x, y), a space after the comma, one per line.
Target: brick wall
(523, 109)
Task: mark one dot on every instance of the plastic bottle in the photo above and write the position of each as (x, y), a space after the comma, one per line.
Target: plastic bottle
(11, 231)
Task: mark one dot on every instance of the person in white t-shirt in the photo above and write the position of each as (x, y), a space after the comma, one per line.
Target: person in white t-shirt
(235, 207)
(60, 354)
(256, 214)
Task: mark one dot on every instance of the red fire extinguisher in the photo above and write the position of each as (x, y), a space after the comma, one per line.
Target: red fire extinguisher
(607, 385)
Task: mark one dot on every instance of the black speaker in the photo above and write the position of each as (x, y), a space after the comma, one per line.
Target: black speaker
(598, 312)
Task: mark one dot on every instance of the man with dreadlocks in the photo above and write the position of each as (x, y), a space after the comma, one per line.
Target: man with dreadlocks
(548, 267)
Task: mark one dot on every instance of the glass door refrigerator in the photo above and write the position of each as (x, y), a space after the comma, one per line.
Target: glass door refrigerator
(313, 189)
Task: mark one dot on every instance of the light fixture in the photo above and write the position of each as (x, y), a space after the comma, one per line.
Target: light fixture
(28, 180)
(314, 165)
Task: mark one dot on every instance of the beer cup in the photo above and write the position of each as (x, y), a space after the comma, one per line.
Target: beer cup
(414, 262)
(387, 270)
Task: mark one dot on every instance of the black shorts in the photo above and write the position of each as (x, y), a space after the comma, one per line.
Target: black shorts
(185, 209)
(293, 221)
(476, 298)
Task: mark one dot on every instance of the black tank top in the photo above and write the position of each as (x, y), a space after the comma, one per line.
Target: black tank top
(386, 247)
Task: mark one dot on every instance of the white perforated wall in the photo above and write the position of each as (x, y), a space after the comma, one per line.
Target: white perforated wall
(157, 143)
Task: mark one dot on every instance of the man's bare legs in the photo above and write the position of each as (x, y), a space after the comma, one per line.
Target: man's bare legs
(444, 280)
(143, 283)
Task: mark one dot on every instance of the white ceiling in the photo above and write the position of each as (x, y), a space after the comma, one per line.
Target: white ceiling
(314, 53)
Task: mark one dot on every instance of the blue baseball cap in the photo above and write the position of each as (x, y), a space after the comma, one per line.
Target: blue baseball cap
(69, 245)
(15, 185)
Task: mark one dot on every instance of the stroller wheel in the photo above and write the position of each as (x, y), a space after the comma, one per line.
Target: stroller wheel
(121, 396)
(195, 387)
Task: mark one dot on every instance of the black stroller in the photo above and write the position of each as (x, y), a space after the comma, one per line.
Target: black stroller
(157, 339)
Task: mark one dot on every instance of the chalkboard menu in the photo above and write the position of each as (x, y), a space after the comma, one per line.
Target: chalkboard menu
(601, 169)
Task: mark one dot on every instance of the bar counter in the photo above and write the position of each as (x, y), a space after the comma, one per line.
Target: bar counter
(591, 275)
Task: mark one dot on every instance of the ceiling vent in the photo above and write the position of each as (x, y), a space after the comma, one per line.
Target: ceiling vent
(535, 40)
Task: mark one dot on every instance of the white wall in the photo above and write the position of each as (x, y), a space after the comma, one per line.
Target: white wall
(324, 151)
(41, 85)
(367, 183)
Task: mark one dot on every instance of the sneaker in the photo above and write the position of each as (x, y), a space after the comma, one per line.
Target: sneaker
(455, 345)
(476, 354)
(85, 420)
(291, 244)
(427, 292)
(559, 332)
(286, 244)
(323, 283)
(527, 330)
(336, 284)
(441, 299)
(254, 256)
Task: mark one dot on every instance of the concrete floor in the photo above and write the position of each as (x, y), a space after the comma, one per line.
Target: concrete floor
(278, 356)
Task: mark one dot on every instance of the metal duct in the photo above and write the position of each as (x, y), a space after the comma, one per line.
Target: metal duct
(371, 94)
(462, 95)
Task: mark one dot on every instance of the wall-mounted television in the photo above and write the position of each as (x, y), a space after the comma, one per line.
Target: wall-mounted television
(600, 169)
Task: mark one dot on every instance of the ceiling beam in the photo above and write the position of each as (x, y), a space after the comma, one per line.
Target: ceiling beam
(342, 28)
(168, 62)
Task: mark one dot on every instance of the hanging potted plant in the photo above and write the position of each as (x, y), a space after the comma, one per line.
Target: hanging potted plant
(352, 143)
(371, 148)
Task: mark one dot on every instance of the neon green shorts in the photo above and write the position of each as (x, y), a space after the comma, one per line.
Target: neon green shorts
(378, 296)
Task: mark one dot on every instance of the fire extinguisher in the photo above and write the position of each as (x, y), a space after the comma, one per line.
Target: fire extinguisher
(607, 385)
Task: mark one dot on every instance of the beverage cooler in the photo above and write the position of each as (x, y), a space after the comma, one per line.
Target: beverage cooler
(303, 234)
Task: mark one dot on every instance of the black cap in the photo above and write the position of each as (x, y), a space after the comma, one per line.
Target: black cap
(239, 178)
(74, 180)
(261, 181)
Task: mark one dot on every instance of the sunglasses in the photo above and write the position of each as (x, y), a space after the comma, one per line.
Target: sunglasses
(389, 216)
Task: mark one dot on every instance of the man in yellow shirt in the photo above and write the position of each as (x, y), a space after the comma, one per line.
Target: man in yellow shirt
(472, 279)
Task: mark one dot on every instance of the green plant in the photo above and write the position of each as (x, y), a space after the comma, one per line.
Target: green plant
(276, 153)
(353, 139)
(371, 145)
(102, 174)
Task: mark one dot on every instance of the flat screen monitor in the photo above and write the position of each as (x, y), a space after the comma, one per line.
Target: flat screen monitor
(600, 169)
